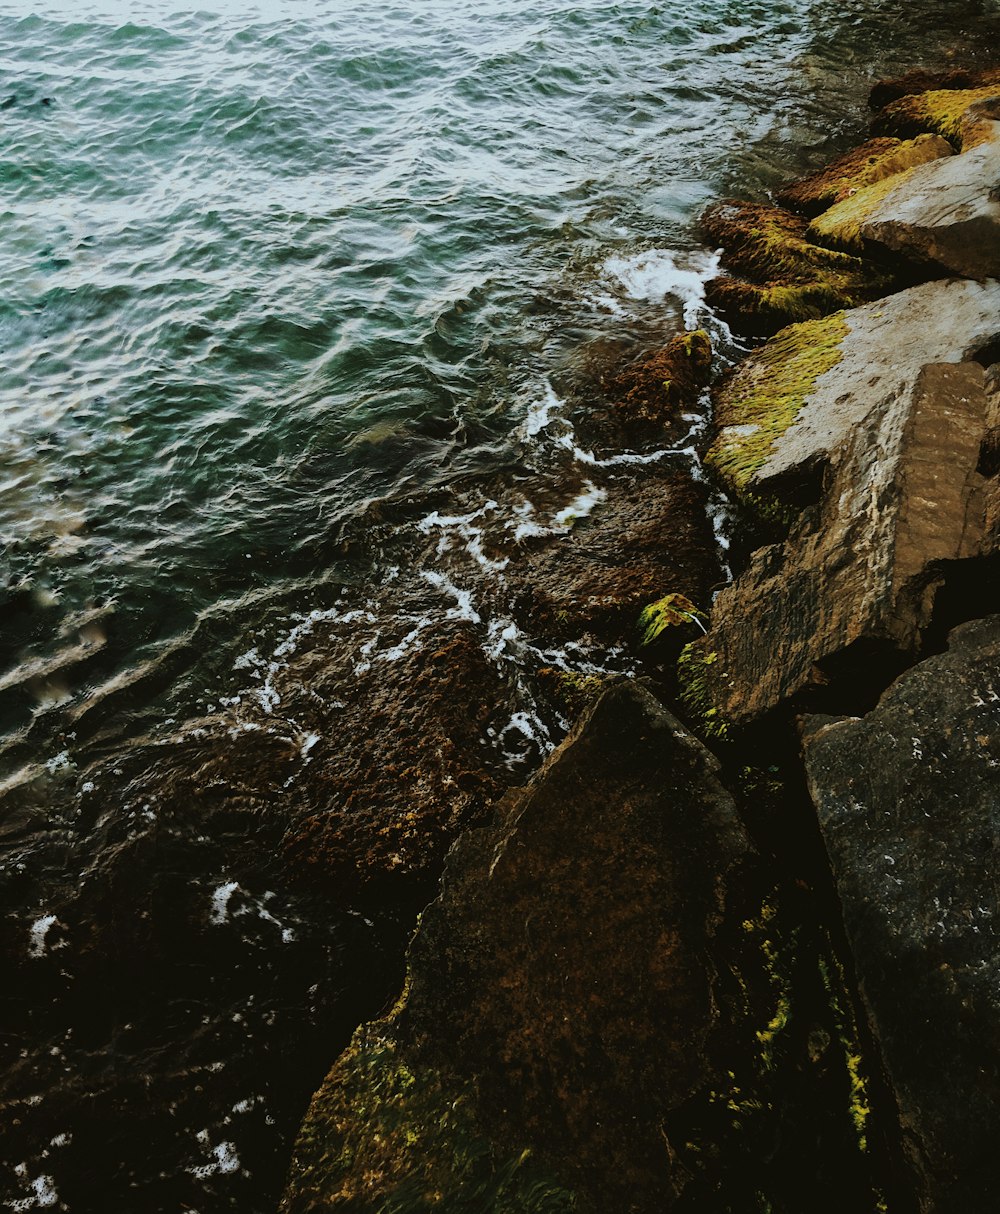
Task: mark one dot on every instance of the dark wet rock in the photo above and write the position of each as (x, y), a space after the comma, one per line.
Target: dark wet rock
(648, 535)
(907, 799)
(783, 276)
(566, 991)
(650, 391)
(851, 591)
(922, 81)
(944, 214)
(862, 166)
(192, 929)
(792, 406)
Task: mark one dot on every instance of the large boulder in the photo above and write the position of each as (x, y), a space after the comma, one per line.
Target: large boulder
(908, 800)
(945, 212)
(566, 992)
(852, 589)
(792, 405)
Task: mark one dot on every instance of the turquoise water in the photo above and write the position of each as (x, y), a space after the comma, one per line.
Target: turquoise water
(262, 265)
(291, 295)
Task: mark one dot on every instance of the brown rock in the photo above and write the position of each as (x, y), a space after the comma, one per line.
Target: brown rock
(792, 405)
(566, 991)
(656, 386)
(855, 580)
(922, 81)
(861, 166)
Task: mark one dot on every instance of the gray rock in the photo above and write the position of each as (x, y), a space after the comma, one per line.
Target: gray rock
(908, 800)
(887, 345)
(857, 578)
(947, 212)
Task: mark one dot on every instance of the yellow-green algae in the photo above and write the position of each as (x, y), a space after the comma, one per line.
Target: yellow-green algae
(693, 684)
(841, 224)
(672, 611)
(941, 111)
(790, 277)
(859, 168)
(386, 1135)
(763, 398)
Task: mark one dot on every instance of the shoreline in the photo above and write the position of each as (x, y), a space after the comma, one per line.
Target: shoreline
(806, 987)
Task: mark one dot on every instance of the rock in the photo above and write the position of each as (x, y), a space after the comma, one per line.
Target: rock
(922, 81)
(566, 991)
(653, 389)
(784, 276)
(946, 213)
(908, 800)
(649, 534)
(853, 586)
(793, 404)
(860, 167)
(947, 112)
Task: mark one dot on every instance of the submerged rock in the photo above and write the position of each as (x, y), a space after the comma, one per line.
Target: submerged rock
(791, 406)
(653, 389)
(852, 588)
(908, 799)
(566, 992)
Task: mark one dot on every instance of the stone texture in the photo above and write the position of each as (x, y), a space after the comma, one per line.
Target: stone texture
(856, 578)
(908, 800)
(777, 431)
(566, 991)
(946, 212)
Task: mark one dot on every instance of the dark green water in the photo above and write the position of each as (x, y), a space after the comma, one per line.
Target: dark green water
(271, 272)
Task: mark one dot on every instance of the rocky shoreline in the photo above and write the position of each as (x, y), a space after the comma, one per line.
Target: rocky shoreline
(738, 952)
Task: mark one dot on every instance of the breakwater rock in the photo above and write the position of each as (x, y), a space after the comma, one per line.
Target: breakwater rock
(663, 959)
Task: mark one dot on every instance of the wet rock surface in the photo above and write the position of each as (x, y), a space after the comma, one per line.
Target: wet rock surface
(855, 582)
(567, 989)
(907, 799)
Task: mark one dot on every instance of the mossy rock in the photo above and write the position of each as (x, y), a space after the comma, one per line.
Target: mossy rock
(784, 276)
(651, 390)
(943, 112)
(859, 168)
(671, 612)
(922, 81)
(570, 690)
(757, 403)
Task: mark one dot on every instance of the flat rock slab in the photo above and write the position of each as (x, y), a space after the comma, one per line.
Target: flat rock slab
(908, 800)
(854, 583)
(881, 349)
(946, 212)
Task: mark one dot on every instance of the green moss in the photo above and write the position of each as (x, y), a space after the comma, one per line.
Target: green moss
(763, 398)
(389, 1136)
(841, 224)
(672, 611)
(694, 683)
(858, 1103)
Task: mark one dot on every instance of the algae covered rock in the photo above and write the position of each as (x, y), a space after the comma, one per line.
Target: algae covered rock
(787, 410)
(862, 166)
(908, 800)
(568, 989)
(852, 589)
(950, 112)
(783, 276)
(651, 390)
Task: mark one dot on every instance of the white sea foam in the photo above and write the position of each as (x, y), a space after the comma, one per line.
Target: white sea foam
(540, 412)
(463, 609)
(583, 504)
(43, 1193)
(39, 931)
(220, 901)
(223, 1159)
(655, 274)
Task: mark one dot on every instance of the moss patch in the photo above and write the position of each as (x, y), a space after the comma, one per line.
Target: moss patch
(757, 404)
(841, 224)
(694, 669)
(672, 611)
(785, 277)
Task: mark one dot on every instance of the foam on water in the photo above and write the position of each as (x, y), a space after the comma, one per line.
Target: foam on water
(654, 275)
